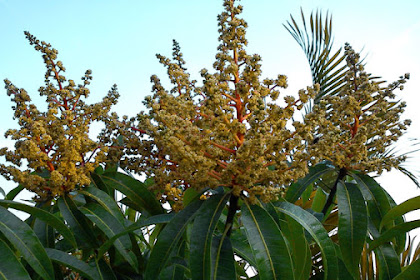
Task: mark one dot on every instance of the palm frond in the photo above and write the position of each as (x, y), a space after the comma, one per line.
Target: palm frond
(328, 68)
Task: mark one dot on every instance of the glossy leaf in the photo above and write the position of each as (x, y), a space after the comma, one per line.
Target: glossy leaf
(73, 263)
(44, 216)
(21, 236)
(189, 195)
(105, 272)
(158, 219)
(318, 232)
(105, 201)
(403, 208)
(78, 223)
(296, 189)
(271, 253)
(390, 234)
(99, 183)
(352, 225)
(241, 246)
(10, 267)
(13, 193)
(388, 262)
(411, 272)
(178, 267)
(319, 200)
(203, 227)
(135, 190)
(45, 233)
(168, 239)
(299, 247)
(109, 225)
(376, 198)
(223, 263)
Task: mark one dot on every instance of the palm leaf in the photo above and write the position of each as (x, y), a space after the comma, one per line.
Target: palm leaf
(327, 67)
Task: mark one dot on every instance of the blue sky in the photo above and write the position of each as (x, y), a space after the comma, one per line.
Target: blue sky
(118, 40)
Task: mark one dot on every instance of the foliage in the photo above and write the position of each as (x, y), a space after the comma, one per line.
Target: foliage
(235, 188)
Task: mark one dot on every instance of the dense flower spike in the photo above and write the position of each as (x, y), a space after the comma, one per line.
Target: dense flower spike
(357, 125)
(54, 144)
(223, 133)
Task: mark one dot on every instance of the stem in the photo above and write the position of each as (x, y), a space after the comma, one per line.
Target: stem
(341, 174)
(233, 206)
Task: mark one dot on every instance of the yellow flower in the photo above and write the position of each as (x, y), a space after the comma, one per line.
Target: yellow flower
(55, 144)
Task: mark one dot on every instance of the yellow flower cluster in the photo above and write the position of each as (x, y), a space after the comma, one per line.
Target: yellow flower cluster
(54, 144)
(356, 126)
(228, 132)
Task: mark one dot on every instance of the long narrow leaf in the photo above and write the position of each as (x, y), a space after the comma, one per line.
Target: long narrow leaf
(393, 232)
(317, 231)
(13, 193)
(10, 267)
(106, 222)
(135, 190)
(105, 201)
(158, 219)
(168, 239)
(223, 262)
(21, 236)
(299, 247)
(44, 216)
(352, 225)
(411, 272)
(396, 212)
(388, 262)
(376, 198)
(73, 263)
(269, 247)
(296, 189)
(203, 228)
(241, 246)
(77, 221)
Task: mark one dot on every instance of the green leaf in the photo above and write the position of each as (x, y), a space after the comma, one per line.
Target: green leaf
(296, 189)
(78, 223)
(189, 195)
(10, 267)
(109, 225)
(375, 196)
(299, 247)
(396, 212)
(135, 190)
(107, 202)
(317, 231)
(45, 233)
(223, 263)
(44, 216)
(168, 239)
(203, 228)
(99, 184)
(410, 272)
(352, 225)
(178, 267)
(158, 219)
(393, 232)
(269, 247)
(241, 246)
(21, 236)
(319, 200)
(13, 193)
(105, 272)
(2, 192)
(73, 263)
(388, 262)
